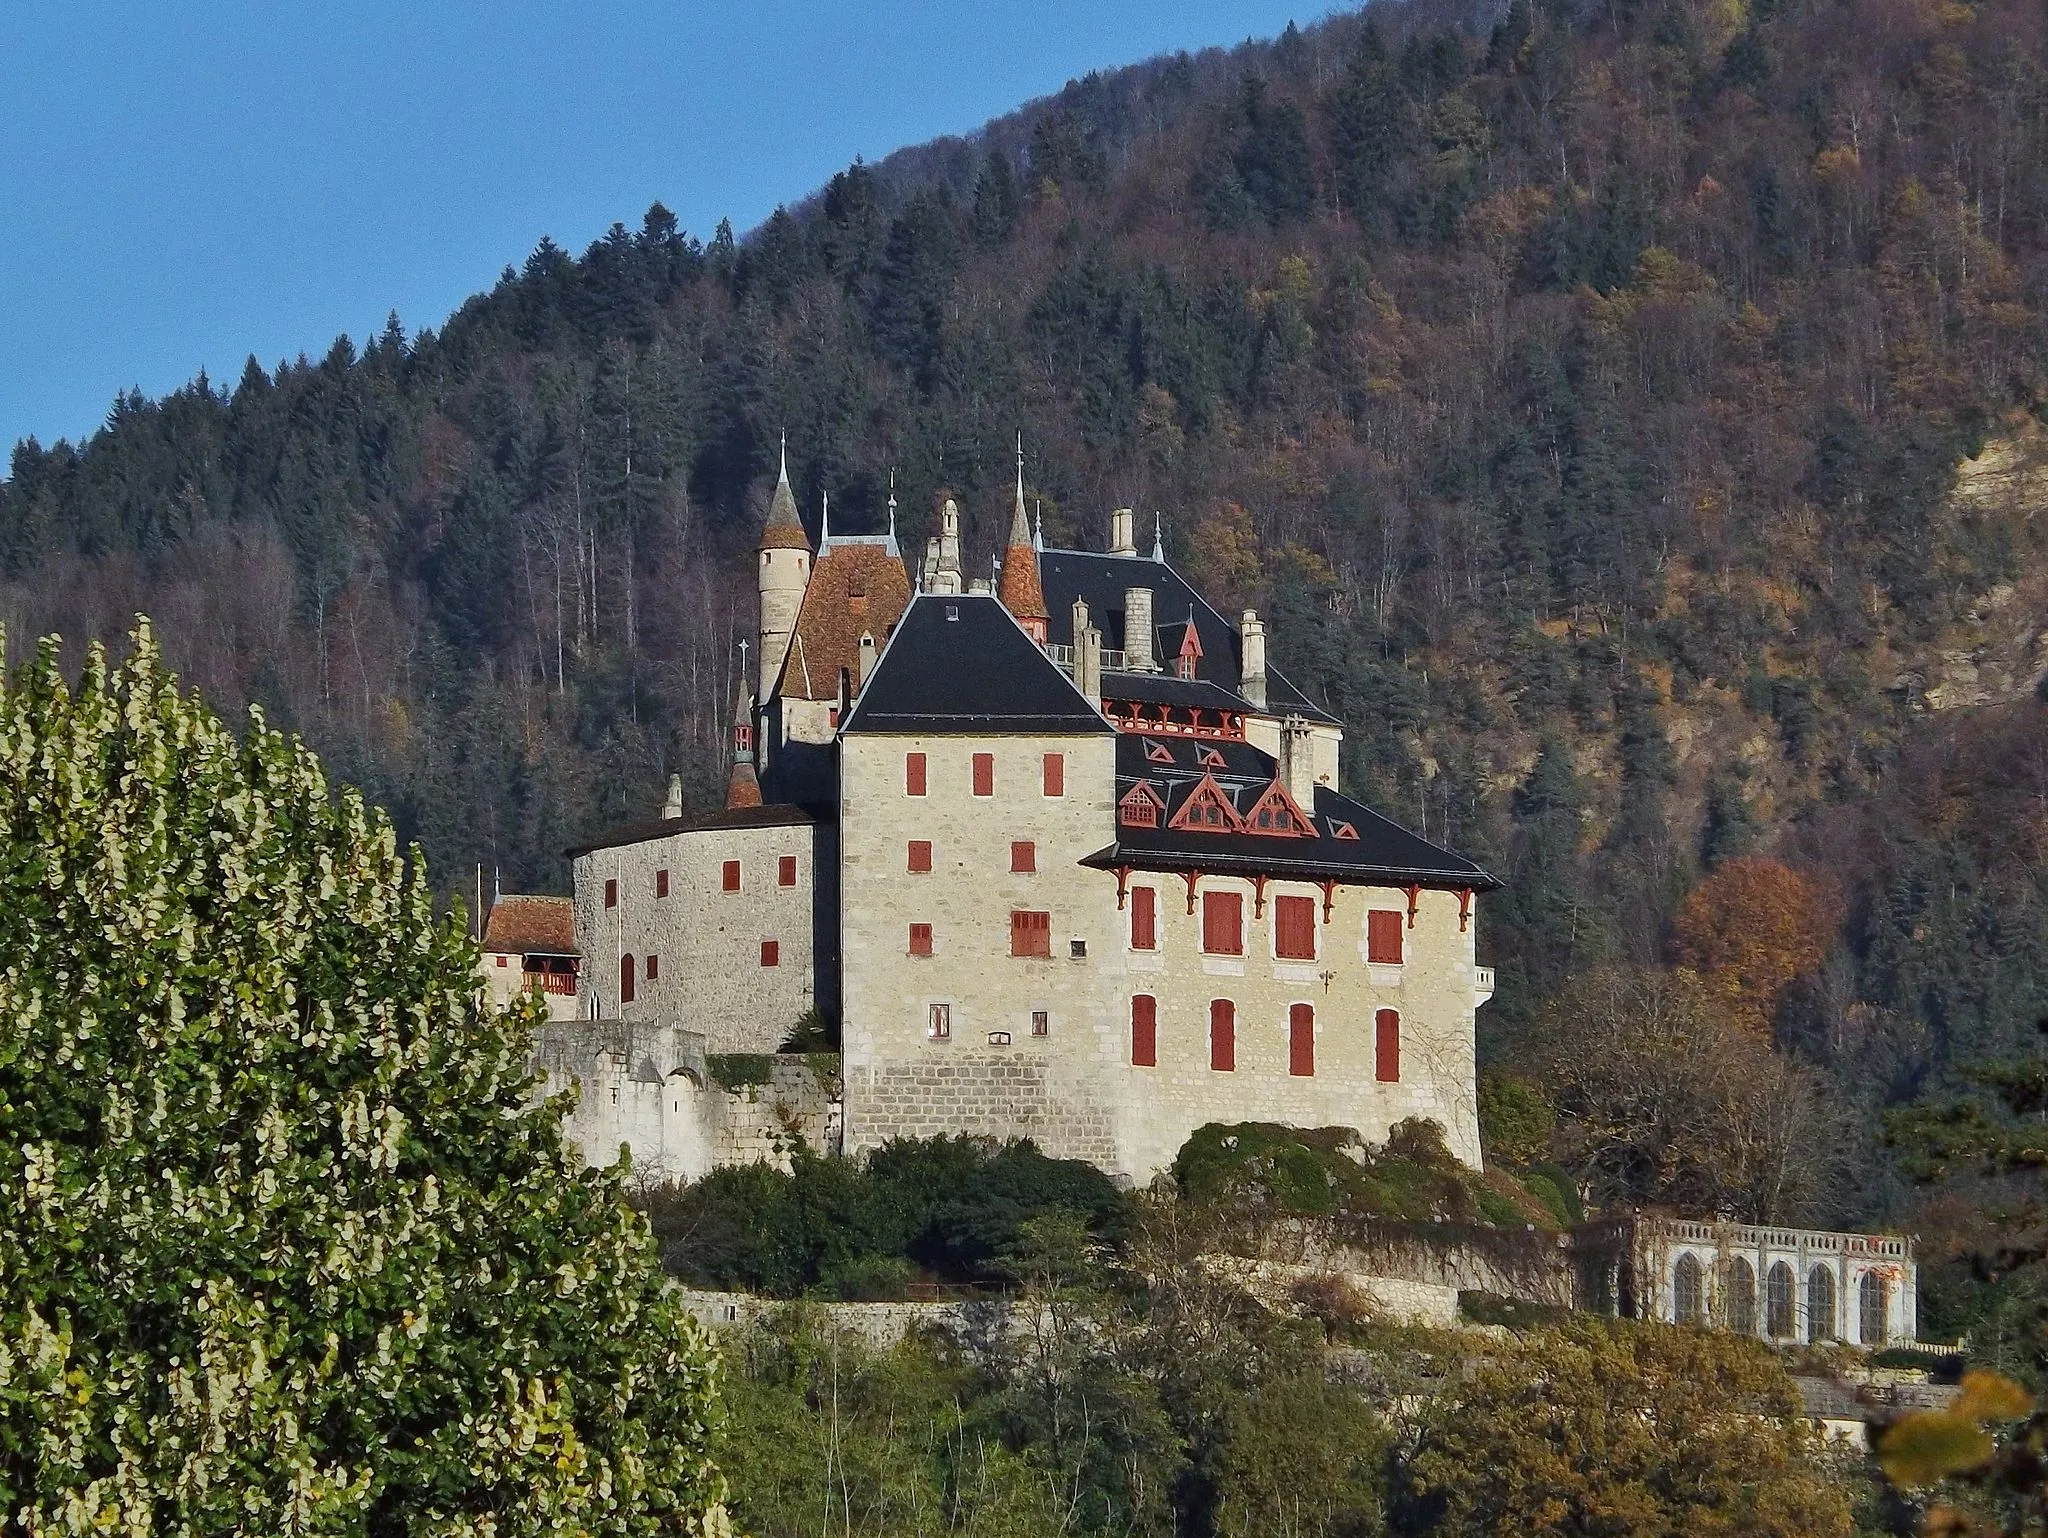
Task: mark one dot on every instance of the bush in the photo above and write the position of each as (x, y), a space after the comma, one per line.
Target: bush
(1515, 1120)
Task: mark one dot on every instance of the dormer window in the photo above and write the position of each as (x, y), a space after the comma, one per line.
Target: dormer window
(1342, 829)
(1208, 809)
(1208, 758)
(1140, 807)
(1158, 753)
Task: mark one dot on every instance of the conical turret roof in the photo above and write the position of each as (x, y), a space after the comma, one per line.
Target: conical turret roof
(1021, 592)
(784, 530)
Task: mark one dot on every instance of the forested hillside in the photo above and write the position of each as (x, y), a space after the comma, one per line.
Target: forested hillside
(1629, 417)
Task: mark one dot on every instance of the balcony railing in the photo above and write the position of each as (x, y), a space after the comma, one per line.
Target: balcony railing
(563, 983)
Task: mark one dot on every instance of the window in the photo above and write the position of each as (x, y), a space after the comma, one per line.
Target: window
(771, 953)
(1383, 937)
(1140, 807)
(1223, 923)
(1030, 934)
(913, 774)
(625, 979)
(661, 883)
(1820, 1305)
(920, 939)
(611, 894)
(938, 1022)
(1207, 809)
(1023, 857)
(1386, 1046)
(1144, 1031)
(1342, 829)
(1688, 1291)
(1222, 1036)
(1055, 774)
(1294, 928)
(785, 871)
(1041, 1022)
(1871, 1310)
(920, 856)
(729, 875)
(1144, 918)
(1078, 949)
(1741, 1297)
(1301, 1041)
(1778, 1286)
(984, 774)
(652, 967)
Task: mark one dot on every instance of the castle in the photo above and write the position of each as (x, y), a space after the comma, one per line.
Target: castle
(1060, 851)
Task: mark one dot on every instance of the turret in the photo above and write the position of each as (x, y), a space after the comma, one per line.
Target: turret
(785, 571)
(1021, 591)
(742, 785)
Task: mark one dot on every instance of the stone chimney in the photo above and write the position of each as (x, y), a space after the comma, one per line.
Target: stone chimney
(867, 659)
(1138, 655)
(672, 808)
(946, 572)
(1123, 532)
(1251, 635)
(1088, 665)
(1298, 762)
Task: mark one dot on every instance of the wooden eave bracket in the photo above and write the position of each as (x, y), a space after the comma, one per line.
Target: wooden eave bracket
(1464, 908)
(1414, 897)
(1123, 885)
(1191, 877)
(1329, 899)
(1258, 897)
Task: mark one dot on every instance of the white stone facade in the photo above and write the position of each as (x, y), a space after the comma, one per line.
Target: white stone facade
(734, 961)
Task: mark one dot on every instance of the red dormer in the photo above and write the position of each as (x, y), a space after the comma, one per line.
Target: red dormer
(1207, 809)
(1278, 815)
(1190, 650)
(1141, 806)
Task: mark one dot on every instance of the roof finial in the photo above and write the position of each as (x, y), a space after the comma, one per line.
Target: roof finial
(1020, 469)
(1038, 529)
(892, 502)
(824, 519)
(785, 455)
(1158, 544)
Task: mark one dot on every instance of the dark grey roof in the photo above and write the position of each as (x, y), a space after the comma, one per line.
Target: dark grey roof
(1380, 852)
(663, 827)
(1102, 579)
(958, 662)
(1170, 689)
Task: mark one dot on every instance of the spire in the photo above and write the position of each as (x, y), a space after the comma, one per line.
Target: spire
(1020, 591)
(892, 509)
(783, 529)
(743, 785)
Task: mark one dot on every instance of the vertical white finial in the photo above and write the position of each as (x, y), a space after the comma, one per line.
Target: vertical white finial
(1038, 528)
(1020, 469)
(1158, 544)
(824, 519)
(785, 454)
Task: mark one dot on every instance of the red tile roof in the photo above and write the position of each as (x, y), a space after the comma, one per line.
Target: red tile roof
(521, 924)
(853, 588)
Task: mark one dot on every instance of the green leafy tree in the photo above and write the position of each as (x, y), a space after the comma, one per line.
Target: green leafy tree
(286, 1247)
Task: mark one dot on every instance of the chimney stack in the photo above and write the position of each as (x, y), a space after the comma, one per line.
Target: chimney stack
(1251, 633)
(1298, 762)
(946, 568)
(1123, 532)
(672, 808)
(867, 659)
(1088, 665)
(1138, 654)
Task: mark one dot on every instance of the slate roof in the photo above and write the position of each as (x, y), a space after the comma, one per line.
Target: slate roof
(783, 529)
(772, 816)
(959, 662)
(1101, 580)
(1382, 853)
(1171, 689)
(537, 925)
(853, 587)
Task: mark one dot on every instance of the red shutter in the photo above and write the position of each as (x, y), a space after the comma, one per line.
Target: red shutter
(1223, 923)
(730, 875)
(1301, 1041)
(913, 774)
(611, 894)
(1144, 918)
(625, 979)
(1386, 1046)
(1055, 774)
(653, 968)
(661, 883)
(771, 953)
(984, 774)
(1030, 933)
(1023, 857)
(1144, 1031)
(1383, 937)
(1222, 1036)
(1294, 928)
(920, 856)
(785, 870)
(920, 939)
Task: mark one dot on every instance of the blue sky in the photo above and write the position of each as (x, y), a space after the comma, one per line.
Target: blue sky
(184, 184)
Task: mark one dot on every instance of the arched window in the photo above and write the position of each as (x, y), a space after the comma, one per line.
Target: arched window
(1778, 1286)
(1820, 1304)
(1871, 1308)
(1688, 1294)
(626, 979)
(1742, 1297)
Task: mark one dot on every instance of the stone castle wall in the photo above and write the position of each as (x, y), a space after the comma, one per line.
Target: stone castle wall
(711, 976)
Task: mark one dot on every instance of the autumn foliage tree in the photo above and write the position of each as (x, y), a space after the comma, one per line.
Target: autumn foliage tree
(1751, 927)
(285, 1246)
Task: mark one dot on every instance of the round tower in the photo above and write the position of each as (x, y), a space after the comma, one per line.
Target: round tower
(785, 571)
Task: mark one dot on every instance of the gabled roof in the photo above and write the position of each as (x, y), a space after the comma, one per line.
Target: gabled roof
(959, 662)
(539, 925)
(854, 587)
(1349, 842)
(1102, 580)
